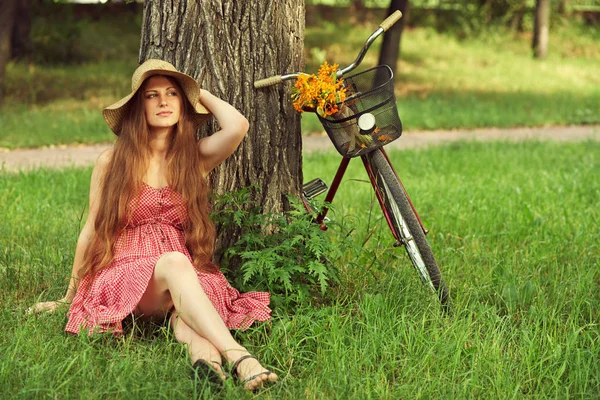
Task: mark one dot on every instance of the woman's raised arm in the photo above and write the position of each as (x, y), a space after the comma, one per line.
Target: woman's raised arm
(234, 126)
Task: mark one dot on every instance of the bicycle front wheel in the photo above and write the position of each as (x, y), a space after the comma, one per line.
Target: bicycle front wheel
(407, 227)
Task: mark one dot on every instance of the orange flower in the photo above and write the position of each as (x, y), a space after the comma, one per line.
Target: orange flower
(320, 93)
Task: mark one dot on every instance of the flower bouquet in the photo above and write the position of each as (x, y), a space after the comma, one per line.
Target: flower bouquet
(325, 94)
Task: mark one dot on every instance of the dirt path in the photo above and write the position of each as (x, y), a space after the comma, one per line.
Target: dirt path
(64, 156)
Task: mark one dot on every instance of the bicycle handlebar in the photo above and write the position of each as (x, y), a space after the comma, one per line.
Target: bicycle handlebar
(383, 27)
(273, 80)
(391, 20)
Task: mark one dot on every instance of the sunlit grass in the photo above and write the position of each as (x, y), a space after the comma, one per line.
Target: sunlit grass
(58, 123)
(514, 229)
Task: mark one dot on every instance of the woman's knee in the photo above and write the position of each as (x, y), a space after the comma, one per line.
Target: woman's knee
(172, 263)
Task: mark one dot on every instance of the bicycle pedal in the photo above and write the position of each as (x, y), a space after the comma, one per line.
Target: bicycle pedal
(313, 188)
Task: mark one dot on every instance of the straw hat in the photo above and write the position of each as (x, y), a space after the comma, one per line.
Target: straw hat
(114, 114)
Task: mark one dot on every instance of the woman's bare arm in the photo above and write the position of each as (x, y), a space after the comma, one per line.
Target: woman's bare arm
(85, 236)
(234, 126)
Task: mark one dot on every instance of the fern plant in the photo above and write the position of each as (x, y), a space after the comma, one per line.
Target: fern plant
(285, 254)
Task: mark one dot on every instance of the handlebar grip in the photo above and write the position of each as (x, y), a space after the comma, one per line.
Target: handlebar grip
(270, 81)
(391, 20)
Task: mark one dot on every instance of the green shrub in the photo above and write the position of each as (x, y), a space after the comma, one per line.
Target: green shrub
(286, 254)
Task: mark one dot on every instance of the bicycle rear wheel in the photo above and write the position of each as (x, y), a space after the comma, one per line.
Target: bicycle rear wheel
(407, 227)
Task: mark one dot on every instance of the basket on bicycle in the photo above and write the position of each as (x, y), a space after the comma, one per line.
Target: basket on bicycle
(370, 91)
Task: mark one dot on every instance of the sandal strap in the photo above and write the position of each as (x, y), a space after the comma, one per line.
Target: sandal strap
(239, 360)
(201, 361)
(267, 372)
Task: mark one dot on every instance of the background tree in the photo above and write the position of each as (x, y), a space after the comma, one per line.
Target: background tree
(562, 7)
(21, 40)
(8, 10)
(226, 45)
(541, 28)
(390, 48)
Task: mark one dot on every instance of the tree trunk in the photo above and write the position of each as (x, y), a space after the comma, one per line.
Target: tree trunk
(562, 7)
(21, 40)
(390, 48)
(7, 18)
(226, 46)
(541, 28)
(489, 10)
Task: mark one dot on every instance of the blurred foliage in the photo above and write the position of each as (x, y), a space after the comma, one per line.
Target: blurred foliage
(487, 78)
(56, 35)
(467, 18)
(66, 33)
(472, 17)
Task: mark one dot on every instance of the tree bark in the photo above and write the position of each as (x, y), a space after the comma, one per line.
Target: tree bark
(541, 28)
(7, 19)
(226, 46)
(390, 48)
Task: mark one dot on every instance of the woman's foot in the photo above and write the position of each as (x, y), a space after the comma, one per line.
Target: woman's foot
(208, 372)
(249, 371)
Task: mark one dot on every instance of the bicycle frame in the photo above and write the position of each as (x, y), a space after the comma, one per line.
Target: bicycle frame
(337, 180)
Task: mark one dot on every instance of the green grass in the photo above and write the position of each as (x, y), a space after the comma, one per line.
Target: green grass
(514, 228)
(441, 82)
(485, 81)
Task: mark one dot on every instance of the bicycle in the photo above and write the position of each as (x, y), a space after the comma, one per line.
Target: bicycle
(371, 112)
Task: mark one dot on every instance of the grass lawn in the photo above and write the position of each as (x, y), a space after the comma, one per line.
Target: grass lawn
(441, 82)
(514, 227)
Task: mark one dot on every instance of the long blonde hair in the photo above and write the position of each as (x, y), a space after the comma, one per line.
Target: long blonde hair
(123, 180)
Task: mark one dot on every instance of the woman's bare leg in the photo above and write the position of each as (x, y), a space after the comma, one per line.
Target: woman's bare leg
(198, 347)
(175, 283)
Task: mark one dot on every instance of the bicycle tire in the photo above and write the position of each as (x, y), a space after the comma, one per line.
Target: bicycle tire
(402, 215)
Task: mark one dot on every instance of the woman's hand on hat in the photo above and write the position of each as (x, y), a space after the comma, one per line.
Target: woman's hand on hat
(203, 92)
(46, 306)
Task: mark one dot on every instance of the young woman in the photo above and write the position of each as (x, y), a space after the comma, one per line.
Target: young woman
(147, 244)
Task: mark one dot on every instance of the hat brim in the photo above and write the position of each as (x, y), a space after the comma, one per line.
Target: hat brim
(114, 114)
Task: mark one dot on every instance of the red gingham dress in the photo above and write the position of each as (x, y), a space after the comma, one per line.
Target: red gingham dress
(155, 228)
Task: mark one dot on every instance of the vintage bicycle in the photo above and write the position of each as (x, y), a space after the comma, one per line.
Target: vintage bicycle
(367, 121)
